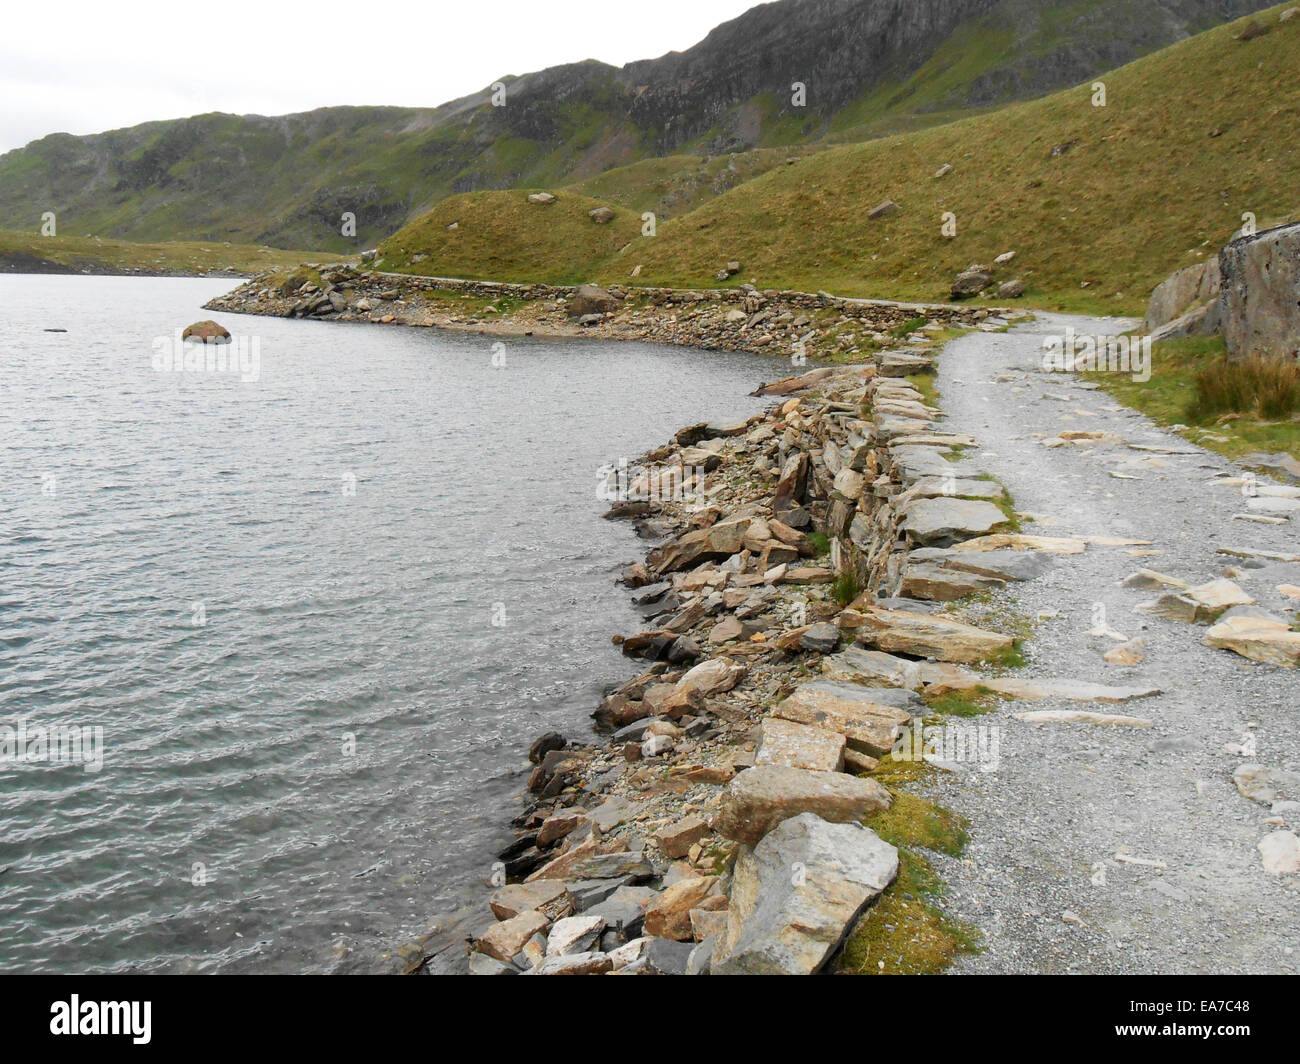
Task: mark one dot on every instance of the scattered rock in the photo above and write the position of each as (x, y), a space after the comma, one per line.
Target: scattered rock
(549, 897)
(1280, 851)
(867, 719)
(1258, 637)
(1079, 716)
(574, 934)
(676, 840)
(1127, 654)
(971, 282)
(1202, 603)
(502, 941)
(800, 746)
(1266, 785)
(943, 638)
(820, 638)
(591, 299)
(669, 915)
(944, 520)
(593, 963)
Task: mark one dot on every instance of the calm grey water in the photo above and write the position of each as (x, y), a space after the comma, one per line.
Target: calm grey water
(277, 599)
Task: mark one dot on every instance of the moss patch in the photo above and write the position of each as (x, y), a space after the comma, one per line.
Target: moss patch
(971, 703)
(904, 932)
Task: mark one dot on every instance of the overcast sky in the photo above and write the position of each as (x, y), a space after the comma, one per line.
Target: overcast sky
(82, 67)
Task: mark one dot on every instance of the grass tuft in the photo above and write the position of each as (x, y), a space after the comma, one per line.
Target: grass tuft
(1267, 388)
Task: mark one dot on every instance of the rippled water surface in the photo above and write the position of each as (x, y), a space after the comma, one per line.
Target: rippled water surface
(277, 598)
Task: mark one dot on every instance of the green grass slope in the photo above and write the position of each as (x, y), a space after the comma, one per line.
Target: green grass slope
(1099, 203)
(500, 236)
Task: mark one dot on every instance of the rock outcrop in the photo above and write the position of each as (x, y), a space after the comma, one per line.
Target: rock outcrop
(1259, 304)
(1182, 292)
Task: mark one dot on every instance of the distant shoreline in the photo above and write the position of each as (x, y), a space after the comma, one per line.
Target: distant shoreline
(801, 326)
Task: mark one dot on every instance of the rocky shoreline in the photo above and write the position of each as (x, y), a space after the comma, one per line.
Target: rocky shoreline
(804, 325)
(812, 599)
(797, 622)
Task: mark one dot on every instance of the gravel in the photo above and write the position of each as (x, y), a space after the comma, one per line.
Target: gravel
(1040, 877)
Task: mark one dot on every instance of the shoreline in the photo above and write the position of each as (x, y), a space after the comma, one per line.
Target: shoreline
(784, 554)
(10, 268)
(791, 639)
(777, 601)
(806, 326)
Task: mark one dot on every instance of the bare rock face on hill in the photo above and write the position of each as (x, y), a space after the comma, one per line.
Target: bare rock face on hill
(1181, 292)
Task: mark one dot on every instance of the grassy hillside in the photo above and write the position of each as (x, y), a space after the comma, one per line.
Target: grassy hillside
(1099, 203)
(677, 184)
(29, 253)
(500, 236)
(1189, 140)
(1224, 407)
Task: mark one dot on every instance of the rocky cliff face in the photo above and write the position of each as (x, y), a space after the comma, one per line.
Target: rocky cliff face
(836, 48)
(864, 63)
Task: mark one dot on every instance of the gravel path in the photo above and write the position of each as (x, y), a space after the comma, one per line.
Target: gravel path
(1041, 878)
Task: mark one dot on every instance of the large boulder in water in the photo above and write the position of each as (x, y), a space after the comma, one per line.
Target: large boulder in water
(207, 331)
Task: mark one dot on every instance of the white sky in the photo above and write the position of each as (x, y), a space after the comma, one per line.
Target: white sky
(79, 67)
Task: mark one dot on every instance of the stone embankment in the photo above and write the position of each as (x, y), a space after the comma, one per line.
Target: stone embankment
(798, 613)
(734, 319)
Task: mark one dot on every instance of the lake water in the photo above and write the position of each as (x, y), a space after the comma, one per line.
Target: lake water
(318, 615)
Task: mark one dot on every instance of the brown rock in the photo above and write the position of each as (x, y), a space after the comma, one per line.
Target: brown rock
(800, 746)
(929, 636)
(549, 897)
(669, 915)
(762, 797)
(207, 331)
(846, 709)
(508, 937)
(676, 840)
(560, 824)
